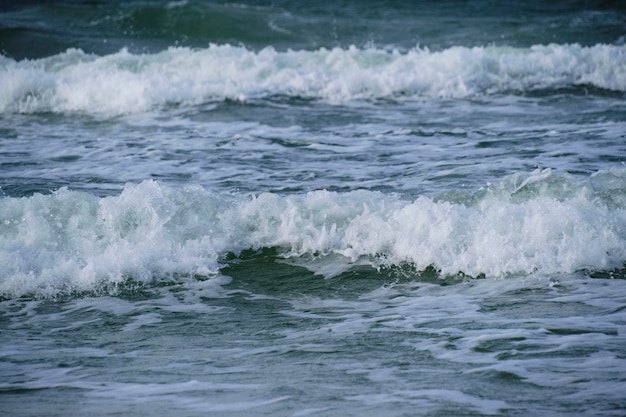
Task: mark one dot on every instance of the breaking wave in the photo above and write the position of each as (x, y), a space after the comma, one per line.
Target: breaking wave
(124, 82)
(71, 241)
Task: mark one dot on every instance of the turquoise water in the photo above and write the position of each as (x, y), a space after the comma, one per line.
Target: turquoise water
(330, 209)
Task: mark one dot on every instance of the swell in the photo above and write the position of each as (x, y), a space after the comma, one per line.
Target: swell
(39, 29)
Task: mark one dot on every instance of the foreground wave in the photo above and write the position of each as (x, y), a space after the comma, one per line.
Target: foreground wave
(71, 241)
(124, 83)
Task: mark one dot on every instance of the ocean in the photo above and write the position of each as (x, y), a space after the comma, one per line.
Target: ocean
(329, 208)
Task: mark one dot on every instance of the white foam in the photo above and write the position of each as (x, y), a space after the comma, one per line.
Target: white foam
(72, 241)
(123, 82)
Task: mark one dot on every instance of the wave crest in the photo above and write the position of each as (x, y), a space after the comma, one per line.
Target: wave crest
(124, 83)
(71, 241)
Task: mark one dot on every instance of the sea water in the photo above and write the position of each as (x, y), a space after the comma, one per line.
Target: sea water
(312, 208)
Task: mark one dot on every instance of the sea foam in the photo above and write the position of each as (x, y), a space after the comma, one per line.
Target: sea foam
(544, 223)
(122, 83)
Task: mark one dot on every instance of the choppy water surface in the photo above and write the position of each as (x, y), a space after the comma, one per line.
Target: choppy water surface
(353, 208)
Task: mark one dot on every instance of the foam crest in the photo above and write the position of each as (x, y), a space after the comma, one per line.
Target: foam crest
(71, 241)
(124, 83)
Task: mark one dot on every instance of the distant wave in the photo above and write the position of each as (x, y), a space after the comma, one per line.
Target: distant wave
(71, 241)
(123, 82)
